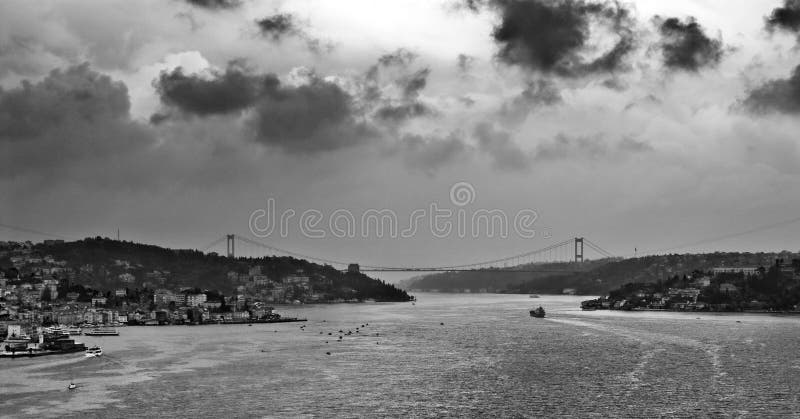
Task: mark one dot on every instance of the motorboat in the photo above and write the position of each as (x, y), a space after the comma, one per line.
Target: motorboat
(537, 312)
(94, 351)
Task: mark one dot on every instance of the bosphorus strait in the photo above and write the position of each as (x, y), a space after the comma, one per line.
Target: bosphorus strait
(446, 355)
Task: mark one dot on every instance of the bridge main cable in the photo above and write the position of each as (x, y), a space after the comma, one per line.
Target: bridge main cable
(398, 268)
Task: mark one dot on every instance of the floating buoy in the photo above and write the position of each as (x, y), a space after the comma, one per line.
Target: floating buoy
(442, 323)
(329, 333)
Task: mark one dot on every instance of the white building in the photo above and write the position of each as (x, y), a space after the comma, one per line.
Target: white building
(194, 300)
(749, 270)
(127, 278)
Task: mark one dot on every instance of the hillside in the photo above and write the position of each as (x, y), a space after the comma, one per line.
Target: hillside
(105, 264)
(594, 277)
(499, 280)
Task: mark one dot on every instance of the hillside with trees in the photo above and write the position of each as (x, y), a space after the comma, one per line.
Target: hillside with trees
(105, 264)
(590, 277)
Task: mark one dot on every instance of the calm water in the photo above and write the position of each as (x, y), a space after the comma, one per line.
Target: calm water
(489, 358)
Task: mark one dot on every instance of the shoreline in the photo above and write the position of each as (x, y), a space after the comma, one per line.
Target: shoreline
(250, 322)
(785, 313)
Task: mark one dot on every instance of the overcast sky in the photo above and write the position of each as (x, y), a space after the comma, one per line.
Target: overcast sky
(646, 125)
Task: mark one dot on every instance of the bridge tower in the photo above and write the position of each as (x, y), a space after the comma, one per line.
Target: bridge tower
(231, 238)
(578, 249)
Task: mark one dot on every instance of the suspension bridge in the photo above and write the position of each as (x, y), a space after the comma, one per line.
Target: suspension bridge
(570, 250)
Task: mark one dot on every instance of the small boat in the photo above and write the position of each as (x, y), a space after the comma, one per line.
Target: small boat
(533, 296)
(537, 312)
(102, 331)
(72, 386)
(94, 351)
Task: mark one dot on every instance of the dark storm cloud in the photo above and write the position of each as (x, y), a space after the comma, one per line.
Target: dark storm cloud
(75, 95)
(71, 117)
(311, 117)
(431, 153)
(400, 113)
(780, 95)
(216, 4)
(553, 36)
(317, 116)
(786, 17)
(539, 93)
(685, 46)
(498, 145)
(395, 111)
(465, 62)
(279, 25)
(231, 91)
(282, 25)
(630, 144)
(506, 155)
(414, 83)
(466, 101)
(564, 147)
(401, 57)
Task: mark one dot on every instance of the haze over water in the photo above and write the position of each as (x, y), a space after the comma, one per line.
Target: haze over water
(489, 358)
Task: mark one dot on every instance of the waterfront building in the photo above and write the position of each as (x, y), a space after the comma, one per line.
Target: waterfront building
(193, 300)
(747, 271)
